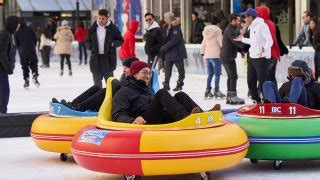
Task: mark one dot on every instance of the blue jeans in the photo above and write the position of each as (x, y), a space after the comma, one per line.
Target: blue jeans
(82, 51)
(298, 93)
(4, 92)
(214, 68)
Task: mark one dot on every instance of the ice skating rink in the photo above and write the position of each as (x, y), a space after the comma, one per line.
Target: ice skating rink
(21, 159)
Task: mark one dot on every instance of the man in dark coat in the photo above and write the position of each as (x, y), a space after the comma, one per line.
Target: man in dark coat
(173, 51)
(228, 56)
(153, 38)
(26, 42)
(6, 60)
(197, 27)
(103, 39)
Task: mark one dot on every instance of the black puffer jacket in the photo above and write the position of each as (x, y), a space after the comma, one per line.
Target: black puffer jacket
(113, 36)
(26, 39)
(197, 27)
(131, 101)
(313, 93)
(153, 38)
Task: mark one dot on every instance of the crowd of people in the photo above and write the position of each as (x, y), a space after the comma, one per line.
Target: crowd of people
(253, 32)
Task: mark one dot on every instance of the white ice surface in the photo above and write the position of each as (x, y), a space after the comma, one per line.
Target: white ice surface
(21, 159)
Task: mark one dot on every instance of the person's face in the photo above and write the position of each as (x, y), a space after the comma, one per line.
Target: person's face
(144, 74)
(238, 21)
(126, 70)
(193, 17)
(312, 25)
(248, 19)
(149, 20)
(305, 17)
(102, 20)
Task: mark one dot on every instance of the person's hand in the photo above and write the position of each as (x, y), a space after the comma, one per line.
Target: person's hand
(139, 120)
(112, 44)
(239, 38)
(262, 51)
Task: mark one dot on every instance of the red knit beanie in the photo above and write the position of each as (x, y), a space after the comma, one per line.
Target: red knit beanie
(136, 66)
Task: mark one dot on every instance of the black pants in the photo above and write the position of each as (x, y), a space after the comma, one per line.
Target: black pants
(91, 99)
(29, 61)
(166, 109)
(67, 56)
(257, 71)
(168, 70)
(83, 51)
(99, 75)
(230, 66)
(4, 92)
(45, 54)
(272, 67)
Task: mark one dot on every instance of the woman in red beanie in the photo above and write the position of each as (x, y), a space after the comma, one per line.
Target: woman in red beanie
(134, 103)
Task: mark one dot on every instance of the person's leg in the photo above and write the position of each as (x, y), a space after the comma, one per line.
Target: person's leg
(62, 62)
(97, 78)
(233, 76)
(185, 100)
(229, 74)
(217, 72)
(262, 72)
(272, 66)
(298, 93)
(252, 80)
(85, 52)
(80, 52)
(34, 64)
(86, 94)
(271, 93)
(164, 101)
(94, 101)
(48, 55)
(168, 71)
(180, 66)
(43, 52)
(4, 92)
(68, 62)
(24, 65)
(210, 72)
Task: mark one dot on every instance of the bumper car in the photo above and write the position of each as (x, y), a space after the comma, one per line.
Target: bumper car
(54, 132)
(199, 143)
(279, 131)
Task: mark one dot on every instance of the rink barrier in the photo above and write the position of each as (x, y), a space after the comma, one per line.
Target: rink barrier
(17, 124)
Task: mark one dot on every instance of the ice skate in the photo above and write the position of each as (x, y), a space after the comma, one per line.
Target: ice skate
(179, 86)
(208, 94)
(26, 83)
(233, 99)
(218, 94)
(35, 81)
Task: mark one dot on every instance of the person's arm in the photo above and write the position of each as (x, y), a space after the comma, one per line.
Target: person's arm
(121, 107)
(34, 37)
(118, 40)
(299, 37)
(220, 39)
(268, 38)
(203, 46)
(306, 41)
(42, 39)
(176, 38)
(132, 46)
(159, 41)
(4, 52)
(16, 39)
(88, 40)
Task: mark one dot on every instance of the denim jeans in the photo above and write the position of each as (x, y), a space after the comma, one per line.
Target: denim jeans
(214, 68)
(83, 51)
(4, 92)
(298, 93)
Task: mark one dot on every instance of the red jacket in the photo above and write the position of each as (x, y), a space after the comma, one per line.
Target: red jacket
(127, 50)
(264, 13)
(81, 34)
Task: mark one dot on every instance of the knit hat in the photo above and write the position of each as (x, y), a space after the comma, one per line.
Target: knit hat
(64, 23)
(127, 62)
(136, 66)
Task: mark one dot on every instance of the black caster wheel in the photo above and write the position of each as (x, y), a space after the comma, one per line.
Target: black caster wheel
(254, 161)
(63, 157)
(277, 164)
(132, 177)
(205, 175)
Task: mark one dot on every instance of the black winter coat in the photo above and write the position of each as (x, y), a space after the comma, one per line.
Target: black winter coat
(230, 47)
(174, 48)
(131, 101)
(26, 40)
(113, 36)
(153, 38)
(197, 27)
(313, 93)
(6, 52)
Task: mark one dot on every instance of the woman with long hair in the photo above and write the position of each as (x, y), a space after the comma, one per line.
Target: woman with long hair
(314, 36)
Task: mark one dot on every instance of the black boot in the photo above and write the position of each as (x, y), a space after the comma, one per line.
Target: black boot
(166, 86)
(35, 80)
(208, 94)
(218, 94)
(26, 83)
(179, 86)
